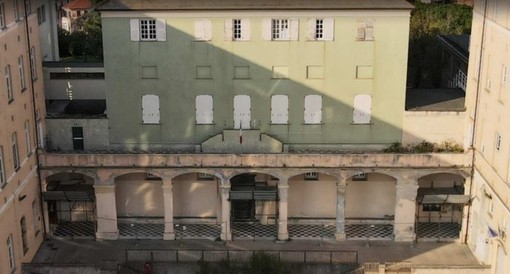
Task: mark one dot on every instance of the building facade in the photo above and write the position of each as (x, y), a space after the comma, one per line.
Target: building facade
(22, 113)
(487, 98)
(239, 120)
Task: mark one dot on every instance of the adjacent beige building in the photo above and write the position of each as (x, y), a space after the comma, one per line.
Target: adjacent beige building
(21, 125)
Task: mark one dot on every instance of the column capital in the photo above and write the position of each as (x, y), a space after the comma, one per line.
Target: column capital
(104, 188)
(283, 187)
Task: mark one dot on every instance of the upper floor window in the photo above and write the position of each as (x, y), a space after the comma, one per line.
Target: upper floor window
(321, 29)
(204, 109)
(8, 82)
(237, 29)
(150, 109)
(504, 75)
(279, 109)
(498, 141)
(78, 140)
(24, 238)
(2, 167)
(281, 29)
(2, 15)
(365, 30)
(21, 70)
(311, 176)
(313, 109)
(148, 29)
(33, 68)
(362, 109)
(203, 30)
(15, 153)
(27, 138)
(16, 9)
(41, 14)
(28, 8)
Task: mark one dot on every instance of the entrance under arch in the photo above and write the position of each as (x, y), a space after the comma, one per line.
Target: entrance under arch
(253, 206)
(71, 205)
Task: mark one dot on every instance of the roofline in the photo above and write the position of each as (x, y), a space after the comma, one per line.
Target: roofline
(254, 8)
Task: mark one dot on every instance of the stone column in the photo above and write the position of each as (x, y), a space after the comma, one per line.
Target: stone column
(283, 189)
(168, 197)
(341, 187)
(226, 234)
(405, 210)
(106, 212)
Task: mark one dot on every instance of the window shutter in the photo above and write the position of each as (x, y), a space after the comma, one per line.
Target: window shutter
(242, 111)
(199, 30)
(329, 29)
(207, 28)
(294, 29)
(310, 33)
(204, 109)
(150, 109)
(279, 109)
(362, 109)
(369, 29)
(361, 30)
(135, 29)
(245, 29)
(160, 29)
(266, 29)
(228, 30)
(313, 109)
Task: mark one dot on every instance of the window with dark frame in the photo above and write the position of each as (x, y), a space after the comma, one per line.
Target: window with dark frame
(15, 153)
(2, 15)
(2, 168)
(319, 28)
(148, 29)
(237, 33)
(10, 252)
(280, 29)
(77, 138)
(24, 239)
(431, 207)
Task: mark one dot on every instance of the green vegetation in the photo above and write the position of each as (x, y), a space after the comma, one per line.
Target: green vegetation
(427, 21)
(425, 147)
(86, 42)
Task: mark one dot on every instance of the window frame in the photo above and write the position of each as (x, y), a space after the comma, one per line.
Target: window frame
(310, 115)
(3, 177)
(280, 29)
(36, 215)
(15, 151)
(279, 109)
(319, 29)
(16, 10)
(33, 67)
(2, 15)
(149, 36)
(28, 142)
(24, 234)
(237, 29)
(78, 139)
(147, 110)
(497, 143)
(311, 176)
(41, 14)
(21, 71)
(8, 82)
(10, 253)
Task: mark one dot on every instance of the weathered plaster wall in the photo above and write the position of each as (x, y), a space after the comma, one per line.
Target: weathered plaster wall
(312, 199)
(374, 198)
(136, 196)
(95, 133)
(195, 198)
(434, 127)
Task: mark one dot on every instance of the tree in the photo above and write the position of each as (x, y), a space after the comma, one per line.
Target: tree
(86, 41)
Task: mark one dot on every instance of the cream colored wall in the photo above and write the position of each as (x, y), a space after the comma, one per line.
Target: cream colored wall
(374, 198)
(434, 127)
(136, 196)
(23, 181)
(194, 198)
(312, 199)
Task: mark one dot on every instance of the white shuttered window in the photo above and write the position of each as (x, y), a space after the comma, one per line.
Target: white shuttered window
(150, 109)
(362, 109)
(148, 29)
(321, 29)
(203, 30)
(237, 30)
(280, 29)
(242, 111)
(313, 109)
(279, 109)
(204, 109)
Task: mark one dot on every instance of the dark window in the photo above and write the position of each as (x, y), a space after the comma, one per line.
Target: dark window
(77, 138)
(77, 75)
(431, 207)
(24, 239)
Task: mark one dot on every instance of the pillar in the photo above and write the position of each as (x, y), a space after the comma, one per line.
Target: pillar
(226, 234)
(405, 210)
(341, 187)
(283, 189)
(168, 201)
(106, 212)
(465, 212)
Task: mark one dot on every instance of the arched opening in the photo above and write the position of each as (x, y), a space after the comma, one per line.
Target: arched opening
(253, 205)
(71, 205)
(440, 207)
(312, 206)
(196, 206)
(370, 206)
(139, 203)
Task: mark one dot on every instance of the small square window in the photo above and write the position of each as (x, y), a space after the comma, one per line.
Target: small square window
(149, 72)
(280, 72)
(204, 72)
(241, 72)
(312, 176)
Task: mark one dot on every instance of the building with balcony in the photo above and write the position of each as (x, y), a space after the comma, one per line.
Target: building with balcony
(22, 113)
(248, 120)
(487, 100)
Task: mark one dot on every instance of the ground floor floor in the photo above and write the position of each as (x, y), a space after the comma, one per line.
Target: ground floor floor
(263, 203)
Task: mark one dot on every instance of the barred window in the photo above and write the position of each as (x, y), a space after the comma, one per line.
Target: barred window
(148, 29)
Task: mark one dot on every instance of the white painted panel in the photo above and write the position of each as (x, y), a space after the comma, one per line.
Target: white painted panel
(266, 29)
(313, 109)
(228, 30)
(362, 109)
(279, 109)
(242, 111)
(311, 27)
(203, 30)
(204, 109)
(501, 260)
(150, 109)
(329, 29)
(245, 30)
(160, 29)
(135, 29)
(294, 29)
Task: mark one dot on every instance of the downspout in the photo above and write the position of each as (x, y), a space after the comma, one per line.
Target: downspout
(475, 116)
(34, 114)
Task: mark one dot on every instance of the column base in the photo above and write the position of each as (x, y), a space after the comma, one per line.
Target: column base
(405, 237)
(169, 236)
(340, 236)
(107, 235)
(283, 236)
(227, 237)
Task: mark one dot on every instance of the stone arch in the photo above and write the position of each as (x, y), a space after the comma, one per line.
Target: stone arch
(373, 196)
(138, 194)
(196, 196)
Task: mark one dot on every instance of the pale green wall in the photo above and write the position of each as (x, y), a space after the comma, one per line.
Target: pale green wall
(177, 87)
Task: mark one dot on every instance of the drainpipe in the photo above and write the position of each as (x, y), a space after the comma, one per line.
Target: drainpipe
(475, 115)
(34, 114)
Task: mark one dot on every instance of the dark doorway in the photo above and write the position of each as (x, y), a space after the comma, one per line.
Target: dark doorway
(241, 196)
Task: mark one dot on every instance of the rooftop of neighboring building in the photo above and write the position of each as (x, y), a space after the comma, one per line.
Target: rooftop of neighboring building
(440, 99)
(113, 5)
(78, 5)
